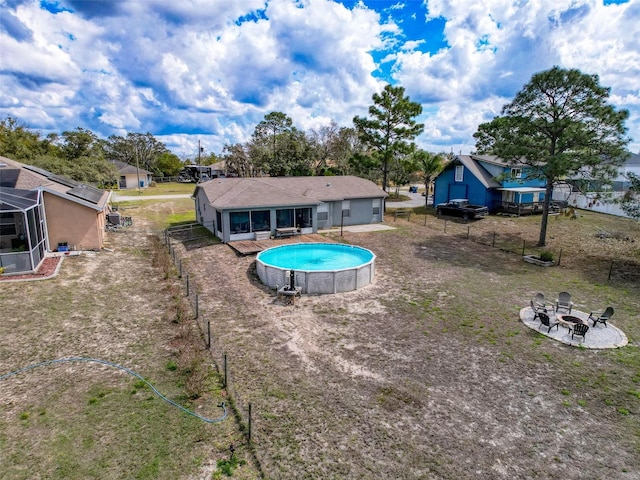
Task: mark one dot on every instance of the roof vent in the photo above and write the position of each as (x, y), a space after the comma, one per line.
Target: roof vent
(328, 184)
(3, 165)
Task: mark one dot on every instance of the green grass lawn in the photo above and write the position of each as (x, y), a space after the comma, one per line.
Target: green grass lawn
(160, 189)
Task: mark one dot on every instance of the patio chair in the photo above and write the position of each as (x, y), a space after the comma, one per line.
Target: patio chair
(579, 329)
(563, 302)
(537, 309)
(546, 321)
(601, 317)
(539, 301)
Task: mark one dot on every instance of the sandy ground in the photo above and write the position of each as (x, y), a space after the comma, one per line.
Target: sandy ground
(407, 378)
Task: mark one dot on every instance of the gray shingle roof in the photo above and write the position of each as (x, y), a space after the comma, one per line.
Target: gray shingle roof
(228, 193)
(30, 178)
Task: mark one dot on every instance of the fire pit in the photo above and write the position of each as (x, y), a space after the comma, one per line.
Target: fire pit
(569, 320)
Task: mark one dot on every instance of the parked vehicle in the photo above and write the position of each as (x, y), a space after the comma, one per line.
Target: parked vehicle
(199, 173)
(460, 207)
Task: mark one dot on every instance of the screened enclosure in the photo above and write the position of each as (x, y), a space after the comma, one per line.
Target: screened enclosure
(22, 230)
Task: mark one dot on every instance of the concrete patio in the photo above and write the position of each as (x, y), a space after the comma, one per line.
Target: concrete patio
(598, 337)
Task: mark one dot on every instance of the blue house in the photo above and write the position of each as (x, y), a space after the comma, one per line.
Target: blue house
(487, 180)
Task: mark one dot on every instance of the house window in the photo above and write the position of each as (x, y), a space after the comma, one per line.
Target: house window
(346, 208)
(376, 206)
(285, 218)
(322, 216)
(459, 172)
(260, 221)
(516, 173)
(219, 220)
(239, 222)
(303, 218)
(7, 224)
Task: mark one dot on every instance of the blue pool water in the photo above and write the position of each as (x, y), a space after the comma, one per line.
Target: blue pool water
(316, 256)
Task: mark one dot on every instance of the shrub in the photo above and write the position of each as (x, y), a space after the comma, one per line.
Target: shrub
(546, 256)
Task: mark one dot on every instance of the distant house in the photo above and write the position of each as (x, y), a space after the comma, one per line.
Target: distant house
(487, 180)
(41, 212)
(131, 176)
(259, 207)
(590, 197)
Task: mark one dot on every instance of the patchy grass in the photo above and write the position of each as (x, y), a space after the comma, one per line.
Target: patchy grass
(80, 420)
(351, 384)
(158, 188)
(426, 373)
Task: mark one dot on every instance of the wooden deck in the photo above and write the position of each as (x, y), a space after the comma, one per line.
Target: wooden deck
(251, 247)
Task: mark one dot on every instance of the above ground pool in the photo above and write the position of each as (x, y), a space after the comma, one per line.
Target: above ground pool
(318, 267)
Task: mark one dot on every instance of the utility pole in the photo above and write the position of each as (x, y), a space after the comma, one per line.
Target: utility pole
(199, 173)
(137, 166)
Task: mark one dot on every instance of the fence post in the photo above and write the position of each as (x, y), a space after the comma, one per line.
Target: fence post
(559, 257)
(187, 286)
(249, 429)
(197, 307)
(180, 268)
(610, 270)
(224, 363)
(208, 334)
(523, 245)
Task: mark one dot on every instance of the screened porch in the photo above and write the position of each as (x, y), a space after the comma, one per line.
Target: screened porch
(22, 230)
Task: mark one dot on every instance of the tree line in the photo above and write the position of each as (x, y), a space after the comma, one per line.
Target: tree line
(82, 156)
(381, 148)
(560, 125)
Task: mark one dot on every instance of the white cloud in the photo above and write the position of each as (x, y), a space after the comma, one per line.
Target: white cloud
(173, 68)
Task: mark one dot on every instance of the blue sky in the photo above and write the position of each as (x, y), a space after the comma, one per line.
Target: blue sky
(210, 70)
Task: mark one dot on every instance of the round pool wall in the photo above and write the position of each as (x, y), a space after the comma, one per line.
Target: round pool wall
(319, 267)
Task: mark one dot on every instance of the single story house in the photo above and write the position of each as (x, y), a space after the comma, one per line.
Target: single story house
(487, 180)
(41, 212)
(131, 176)
(260, 207)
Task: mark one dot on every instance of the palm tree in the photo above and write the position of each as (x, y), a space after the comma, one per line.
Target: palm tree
(430, 164)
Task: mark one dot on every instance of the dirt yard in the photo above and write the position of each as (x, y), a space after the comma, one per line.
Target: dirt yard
(426, 373)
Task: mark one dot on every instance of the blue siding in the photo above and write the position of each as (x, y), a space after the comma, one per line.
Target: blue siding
(446, 188)
(471, 188)
(508, 182)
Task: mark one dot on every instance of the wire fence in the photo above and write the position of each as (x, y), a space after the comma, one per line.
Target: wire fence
(241, 408)
(599, 267)
(177, 239)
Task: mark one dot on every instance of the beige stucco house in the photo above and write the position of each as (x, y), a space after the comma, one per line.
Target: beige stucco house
(41, 212)
(131, 176)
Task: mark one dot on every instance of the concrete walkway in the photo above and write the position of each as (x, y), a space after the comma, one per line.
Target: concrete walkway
(599, 337)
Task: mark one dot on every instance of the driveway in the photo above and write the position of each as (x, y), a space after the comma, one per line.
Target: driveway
(416, 200)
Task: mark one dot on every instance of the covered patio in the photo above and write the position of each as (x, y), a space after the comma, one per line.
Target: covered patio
(520, 200)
